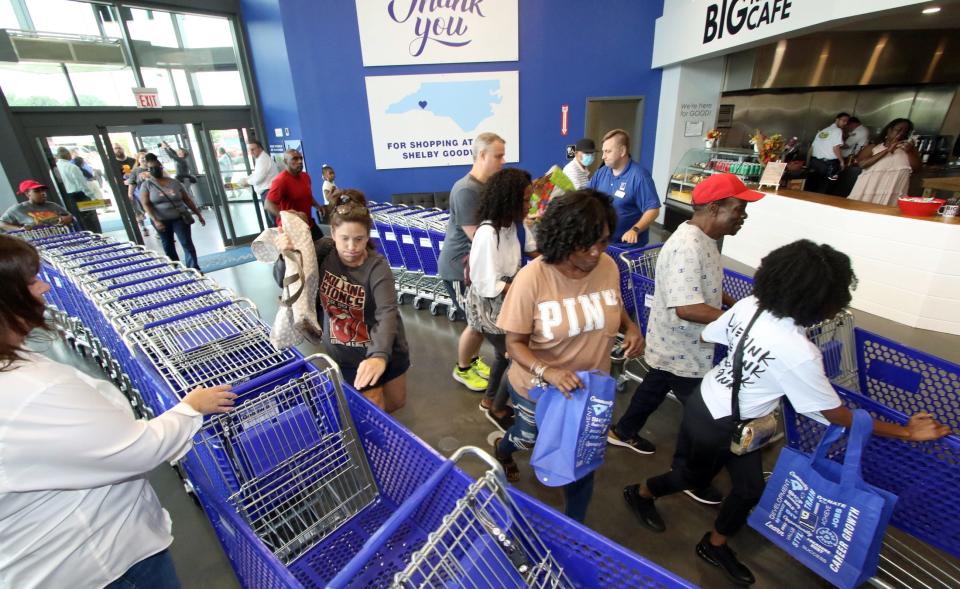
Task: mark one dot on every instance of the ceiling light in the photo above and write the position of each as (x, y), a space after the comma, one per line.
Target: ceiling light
(931, 10)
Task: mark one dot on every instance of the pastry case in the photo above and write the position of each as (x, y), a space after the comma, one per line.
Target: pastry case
(697, 165)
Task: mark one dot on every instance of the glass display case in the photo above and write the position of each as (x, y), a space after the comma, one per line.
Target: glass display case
(698, 164)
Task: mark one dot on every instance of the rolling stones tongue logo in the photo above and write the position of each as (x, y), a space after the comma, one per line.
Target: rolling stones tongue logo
(343, 302)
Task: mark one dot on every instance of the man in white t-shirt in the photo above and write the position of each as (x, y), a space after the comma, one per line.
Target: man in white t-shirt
(578, 169)
(857, 137)
(688, 294)
(824, 160)
(265, 169)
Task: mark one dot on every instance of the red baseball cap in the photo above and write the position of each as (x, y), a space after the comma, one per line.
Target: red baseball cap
(30, 185)
(721, 186)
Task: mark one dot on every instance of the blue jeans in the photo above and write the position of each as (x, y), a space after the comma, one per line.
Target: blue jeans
(523, 435)
(271, 220)
(182, 231)
(154, 572)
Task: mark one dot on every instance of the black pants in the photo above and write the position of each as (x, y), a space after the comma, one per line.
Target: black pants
(648, 397)
(708, 441)
(88, 219)
(495, 392)
(271, 220)
(820, 172)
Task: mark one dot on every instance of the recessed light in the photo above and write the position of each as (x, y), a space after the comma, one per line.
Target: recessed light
(931, 10)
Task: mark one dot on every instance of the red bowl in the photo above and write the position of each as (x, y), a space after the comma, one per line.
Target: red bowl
(919, 209)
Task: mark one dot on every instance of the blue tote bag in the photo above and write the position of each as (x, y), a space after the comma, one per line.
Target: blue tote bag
(572, 433)
(822, 513)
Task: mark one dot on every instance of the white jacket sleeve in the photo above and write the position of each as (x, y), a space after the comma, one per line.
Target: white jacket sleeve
(484, 276)
(261, 168)
(69, 436)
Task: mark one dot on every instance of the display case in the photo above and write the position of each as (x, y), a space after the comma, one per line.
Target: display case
(698, 164)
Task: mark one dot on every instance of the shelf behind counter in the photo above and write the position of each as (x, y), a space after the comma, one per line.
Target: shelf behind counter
(906, 266)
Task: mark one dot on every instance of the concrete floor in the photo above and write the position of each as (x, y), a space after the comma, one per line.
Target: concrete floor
(445, 415)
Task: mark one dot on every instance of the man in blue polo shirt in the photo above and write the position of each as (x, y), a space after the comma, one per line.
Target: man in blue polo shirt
(631, 189)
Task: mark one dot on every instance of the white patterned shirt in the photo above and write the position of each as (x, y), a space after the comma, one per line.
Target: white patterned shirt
(578, 174)
(688, 273)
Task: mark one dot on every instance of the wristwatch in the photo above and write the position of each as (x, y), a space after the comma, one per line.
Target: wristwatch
(635, 230)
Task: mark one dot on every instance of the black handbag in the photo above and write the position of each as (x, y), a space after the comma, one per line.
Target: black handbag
(751, 434)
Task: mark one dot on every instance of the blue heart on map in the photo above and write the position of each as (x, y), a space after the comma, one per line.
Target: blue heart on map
(423, 104)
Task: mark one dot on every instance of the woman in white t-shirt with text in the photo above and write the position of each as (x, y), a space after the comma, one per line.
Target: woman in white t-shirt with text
(797, 286)
(76, 509)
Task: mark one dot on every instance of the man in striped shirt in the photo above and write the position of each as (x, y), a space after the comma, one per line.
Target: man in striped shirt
(578, 168)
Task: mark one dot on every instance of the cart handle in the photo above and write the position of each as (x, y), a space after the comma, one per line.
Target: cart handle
(134, 295)
(402, 513)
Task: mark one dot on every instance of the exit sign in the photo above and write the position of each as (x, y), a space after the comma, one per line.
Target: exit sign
(146, 97)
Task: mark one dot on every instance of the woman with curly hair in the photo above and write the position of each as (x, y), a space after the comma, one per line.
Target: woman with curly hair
(797, 286)
(561, 315)
(495, 256)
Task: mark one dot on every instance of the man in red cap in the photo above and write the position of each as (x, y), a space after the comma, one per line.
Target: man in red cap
(688, 294)
(36, 210)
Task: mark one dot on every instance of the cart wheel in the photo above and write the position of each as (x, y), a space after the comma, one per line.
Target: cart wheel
(419, 303)
(452, 313)
(435, 309)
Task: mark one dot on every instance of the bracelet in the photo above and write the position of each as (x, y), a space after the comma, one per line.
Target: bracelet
(538, 369)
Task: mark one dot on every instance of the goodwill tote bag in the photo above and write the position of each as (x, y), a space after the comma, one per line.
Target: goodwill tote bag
(572, 433)
(822, 513)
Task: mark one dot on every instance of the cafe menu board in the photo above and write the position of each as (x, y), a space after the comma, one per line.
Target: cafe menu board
(772, 174)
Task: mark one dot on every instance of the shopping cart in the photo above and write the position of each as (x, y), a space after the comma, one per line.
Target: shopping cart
(430, 290)
(41, 232)
(287, 458)
(225, 343)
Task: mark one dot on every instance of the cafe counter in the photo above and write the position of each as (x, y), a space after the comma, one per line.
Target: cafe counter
(908, 268)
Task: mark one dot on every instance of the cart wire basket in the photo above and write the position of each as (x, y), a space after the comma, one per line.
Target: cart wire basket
(289, 461)
(220, 344)
(484, 542)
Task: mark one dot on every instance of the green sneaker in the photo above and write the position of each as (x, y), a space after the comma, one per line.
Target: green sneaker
(480, 368)
(470, 379)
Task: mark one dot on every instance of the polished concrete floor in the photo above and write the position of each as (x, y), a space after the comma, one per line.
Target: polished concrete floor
(445, 415)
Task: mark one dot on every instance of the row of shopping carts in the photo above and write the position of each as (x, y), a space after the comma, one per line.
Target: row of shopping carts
(306, 483)
(890, 380)
(411, 239)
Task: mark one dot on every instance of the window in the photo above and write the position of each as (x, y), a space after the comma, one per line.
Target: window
(220, 88)
(63, 16)
(8, 18)
(102, 85)
(203, 32)
(182, 84)
(160, 79)
(35, 84)
(154, 26)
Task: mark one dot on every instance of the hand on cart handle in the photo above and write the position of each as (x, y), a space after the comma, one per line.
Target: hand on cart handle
(565, 380)
(216, 399)
(922, 427)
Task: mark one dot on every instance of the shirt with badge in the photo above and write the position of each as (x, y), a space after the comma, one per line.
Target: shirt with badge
(632, 192)
(778, 361)
(572, 322)
(825, 141)
(689, 272)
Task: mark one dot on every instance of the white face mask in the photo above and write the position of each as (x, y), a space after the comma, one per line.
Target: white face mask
(587, 159)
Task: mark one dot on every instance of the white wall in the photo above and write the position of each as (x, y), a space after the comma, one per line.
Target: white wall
(689, 92)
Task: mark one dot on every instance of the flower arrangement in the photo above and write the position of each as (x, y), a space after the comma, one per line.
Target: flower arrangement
(770, 148)
(551, 184)
(713, 134)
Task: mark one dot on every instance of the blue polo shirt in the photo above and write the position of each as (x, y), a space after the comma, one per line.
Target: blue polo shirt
(632, 192)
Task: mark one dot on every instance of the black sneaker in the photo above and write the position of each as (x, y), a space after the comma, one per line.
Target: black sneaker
(643, 508)
(726, 559)
(708, 495)
(636, 443)
(502, 423)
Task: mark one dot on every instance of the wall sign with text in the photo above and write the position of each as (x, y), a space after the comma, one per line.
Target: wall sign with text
(407, 32)
(421, 121)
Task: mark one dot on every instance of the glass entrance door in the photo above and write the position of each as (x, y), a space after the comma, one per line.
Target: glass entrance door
(230, 165)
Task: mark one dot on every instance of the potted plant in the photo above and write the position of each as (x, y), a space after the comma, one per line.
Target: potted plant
(713, 135)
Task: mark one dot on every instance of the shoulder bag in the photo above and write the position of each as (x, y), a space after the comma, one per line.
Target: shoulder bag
(185, 215)
(750, 434)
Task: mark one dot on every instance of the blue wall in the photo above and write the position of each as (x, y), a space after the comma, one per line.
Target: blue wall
(268, 53)
(569, 50)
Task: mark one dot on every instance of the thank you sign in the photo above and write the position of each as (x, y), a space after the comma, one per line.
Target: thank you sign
(407, 32)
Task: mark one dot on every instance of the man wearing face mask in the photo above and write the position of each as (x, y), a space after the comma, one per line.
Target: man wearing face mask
(688, 295)
(578, 169)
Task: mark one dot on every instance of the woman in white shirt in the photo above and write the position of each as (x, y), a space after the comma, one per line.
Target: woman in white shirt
(76, 509)
(495, 257)
(796, 286)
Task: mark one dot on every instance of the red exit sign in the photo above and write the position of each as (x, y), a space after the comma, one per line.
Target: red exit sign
(146, 97)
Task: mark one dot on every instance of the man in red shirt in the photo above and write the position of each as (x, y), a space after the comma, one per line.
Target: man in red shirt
(291, 191)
